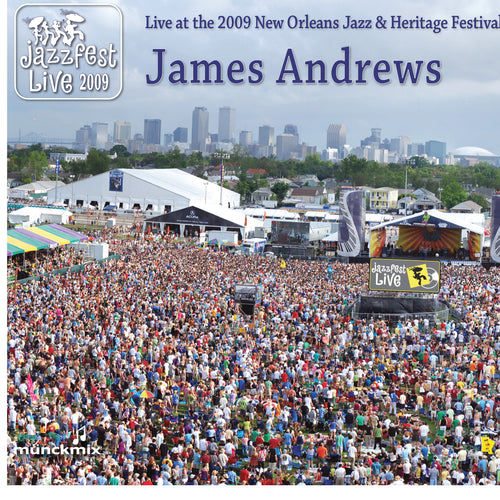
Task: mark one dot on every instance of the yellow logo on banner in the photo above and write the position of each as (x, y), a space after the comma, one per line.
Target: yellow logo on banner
(418, 275)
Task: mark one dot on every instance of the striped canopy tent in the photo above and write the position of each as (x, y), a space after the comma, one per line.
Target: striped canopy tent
(22, 243)
(33, 239)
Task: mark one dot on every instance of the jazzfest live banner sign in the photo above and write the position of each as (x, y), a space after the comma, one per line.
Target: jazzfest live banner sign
(404, 275)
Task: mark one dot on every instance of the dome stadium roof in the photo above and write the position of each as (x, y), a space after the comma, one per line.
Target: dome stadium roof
(473, 151)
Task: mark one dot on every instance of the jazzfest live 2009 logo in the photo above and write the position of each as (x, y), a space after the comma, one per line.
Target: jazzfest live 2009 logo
(61, 52)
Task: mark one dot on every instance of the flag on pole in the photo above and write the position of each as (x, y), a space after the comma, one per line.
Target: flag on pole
(264, 218)
(245, 220)
(222, 173)
(487, 445)
(29, 383)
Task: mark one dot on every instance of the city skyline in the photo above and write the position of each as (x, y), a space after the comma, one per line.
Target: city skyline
(271, 142)
(460, 110)
(214, 124)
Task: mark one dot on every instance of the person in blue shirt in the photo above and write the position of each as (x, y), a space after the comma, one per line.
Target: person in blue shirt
(101, 480)
(433, 475)
(376, 467)
(231, 477)
(483, 465)
(389, 476)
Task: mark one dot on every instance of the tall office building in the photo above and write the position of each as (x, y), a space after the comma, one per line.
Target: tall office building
(436, 149)
(136, 144)
(181, 134)
(336, 136)
(226, 124)
(99, 135)
(376, 134)
(266, 135)
(400, 145)
(286, 144)
(246, 138)
(152, 131)
(291, 129)
(83, 139)
(266, 141)
(168, 139)
(374, 139)
(122, 131)
(416, 149)
(199, 130)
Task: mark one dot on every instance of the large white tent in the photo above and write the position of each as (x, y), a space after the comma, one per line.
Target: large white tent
(33, 188)
(158, 190)
(27, 216)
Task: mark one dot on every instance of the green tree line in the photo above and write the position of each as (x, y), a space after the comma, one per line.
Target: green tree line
(444, 180)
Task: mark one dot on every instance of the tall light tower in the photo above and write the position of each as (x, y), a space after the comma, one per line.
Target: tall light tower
(410, 161)
(222, 157)
(57, 177)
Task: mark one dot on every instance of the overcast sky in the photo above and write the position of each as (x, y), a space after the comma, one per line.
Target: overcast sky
(461, 110)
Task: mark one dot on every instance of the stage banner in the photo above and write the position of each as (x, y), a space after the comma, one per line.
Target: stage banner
(351, 223)
(377, 242)
(474, 246)
(495, 228)
(433, 239)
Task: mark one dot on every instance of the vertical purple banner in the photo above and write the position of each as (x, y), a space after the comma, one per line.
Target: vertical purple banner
(495, 228)
(351, 223)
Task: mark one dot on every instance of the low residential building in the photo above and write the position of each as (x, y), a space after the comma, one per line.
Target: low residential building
(260, 195)
(316, 194)
(467, 207)
(383, 199)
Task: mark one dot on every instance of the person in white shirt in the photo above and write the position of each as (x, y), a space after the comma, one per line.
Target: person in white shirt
(424, 432)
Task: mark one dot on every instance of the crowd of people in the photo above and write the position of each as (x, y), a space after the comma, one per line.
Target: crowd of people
(144, 370)
(20, 266)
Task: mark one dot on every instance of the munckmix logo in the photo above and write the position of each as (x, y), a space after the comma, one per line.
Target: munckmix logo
(68, 52)
(79, 447)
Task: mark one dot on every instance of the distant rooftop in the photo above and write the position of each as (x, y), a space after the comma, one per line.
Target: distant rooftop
(473, 151)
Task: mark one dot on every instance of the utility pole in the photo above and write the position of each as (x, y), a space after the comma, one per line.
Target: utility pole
(406, 187)
(57, 176)
(222, 156)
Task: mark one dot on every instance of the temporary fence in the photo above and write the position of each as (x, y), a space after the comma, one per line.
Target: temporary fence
(65, 270)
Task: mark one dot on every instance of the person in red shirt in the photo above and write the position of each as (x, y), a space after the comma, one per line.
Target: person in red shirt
(205, 458)
(259, 440)
(275, 442)
(244, 475)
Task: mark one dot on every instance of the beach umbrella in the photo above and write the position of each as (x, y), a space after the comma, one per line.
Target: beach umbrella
(53, 426)
(271, 403)
(36, 21)
(146, 395)
(75, 18)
